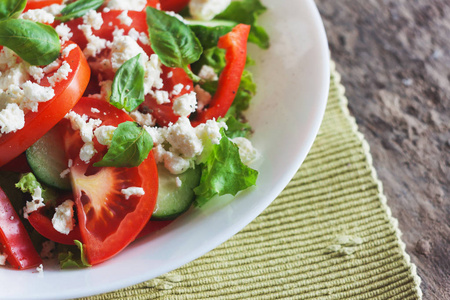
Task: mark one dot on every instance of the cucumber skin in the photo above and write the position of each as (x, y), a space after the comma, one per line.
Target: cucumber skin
(173, 201)
(47, 160)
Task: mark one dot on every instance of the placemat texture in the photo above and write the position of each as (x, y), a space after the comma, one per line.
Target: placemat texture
(329, 234)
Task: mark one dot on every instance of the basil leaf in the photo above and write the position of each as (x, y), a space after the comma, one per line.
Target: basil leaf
(78, 9)
(209, 32)
(223, 172)
(247, 12)
(35, 43)
(11, 8)
(130, 145)
(127, 89)
(173, 41)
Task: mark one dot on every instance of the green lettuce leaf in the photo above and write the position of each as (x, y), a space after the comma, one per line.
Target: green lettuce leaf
(223, 172)
(247, 12)
(71, 257)
(237, 128)
(28, 183)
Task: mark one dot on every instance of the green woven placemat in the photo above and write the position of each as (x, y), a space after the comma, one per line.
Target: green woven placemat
(329, 234)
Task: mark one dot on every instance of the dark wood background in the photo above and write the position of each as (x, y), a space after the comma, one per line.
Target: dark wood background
(394, 58)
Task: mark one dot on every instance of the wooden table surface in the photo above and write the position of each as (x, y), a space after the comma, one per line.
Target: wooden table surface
(394, 58)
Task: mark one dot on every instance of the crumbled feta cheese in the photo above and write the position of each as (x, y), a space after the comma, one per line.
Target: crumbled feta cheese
(8, 59)
(207, 9)
(185, 105)
(187, 87)
(54, 9)
(40, 269)
(64, 173)
(63, 218)
(66, 51)
(35, 94)
(85, 127)
(247, 152)
(38, 15)
(48, 248)
(87, 152)
(203, 97)
(137, 5)
(124, 48)
(157, 134)
(162, 97)
(178, 182)
(95, 44)
(124, 18)
(104, 134)
(17, 74)
(133, 191)
(61, 74)
(3, 257)
(12, 118)
(177, 88)
(152, 77)
(36, 202)
(93, 19)
(183, 138)
(207, 73)
(134, 34)
(36, 72)
(143, 119)
(175, 164)
(106, 10)
(211, 130)
(52, 66)
(64, 33)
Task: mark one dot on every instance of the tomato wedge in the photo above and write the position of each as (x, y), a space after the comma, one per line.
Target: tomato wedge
(163, 113)
(14, 237)
(173, 5)
(108, 221)
(44, 226)
(67, 93)
(37, 4)
(235, 44)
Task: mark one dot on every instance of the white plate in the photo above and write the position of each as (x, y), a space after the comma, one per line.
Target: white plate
(293, 79)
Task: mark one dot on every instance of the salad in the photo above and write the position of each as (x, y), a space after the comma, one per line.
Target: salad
(116, 117)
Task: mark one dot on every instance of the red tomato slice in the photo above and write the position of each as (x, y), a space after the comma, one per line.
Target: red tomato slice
(67, 93)
(14, 237)
(173, 5)
(37, 4)
(44, 226)
(235, 44)
(108, 222)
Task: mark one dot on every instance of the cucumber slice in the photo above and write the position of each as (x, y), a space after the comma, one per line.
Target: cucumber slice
(47, 160)
(174, 200)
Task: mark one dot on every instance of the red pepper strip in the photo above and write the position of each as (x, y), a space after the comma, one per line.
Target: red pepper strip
(18, 164)
(173, 5)
(14, 237)
(235, 44)
(44, 226)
